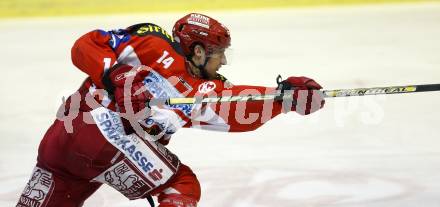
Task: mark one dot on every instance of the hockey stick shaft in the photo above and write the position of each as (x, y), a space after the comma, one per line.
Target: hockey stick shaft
(381, 90)
(280, 97)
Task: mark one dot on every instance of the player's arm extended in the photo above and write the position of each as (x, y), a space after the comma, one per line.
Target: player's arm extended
(237, 116)
(241, 116)
(250, 115)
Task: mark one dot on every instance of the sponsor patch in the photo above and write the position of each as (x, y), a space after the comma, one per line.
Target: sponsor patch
(37, 189)
(199, 20)
(141, 154)
(206, 87)
(159, 87)
(152, 28)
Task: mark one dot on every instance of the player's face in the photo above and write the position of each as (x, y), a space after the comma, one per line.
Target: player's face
(215, 61)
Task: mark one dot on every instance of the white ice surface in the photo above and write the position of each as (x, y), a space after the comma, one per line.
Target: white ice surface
(379, 151)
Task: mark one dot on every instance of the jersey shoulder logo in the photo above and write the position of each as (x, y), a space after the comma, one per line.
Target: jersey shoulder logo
(145, 29)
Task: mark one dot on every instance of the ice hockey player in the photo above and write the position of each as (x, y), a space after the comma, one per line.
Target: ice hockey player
(105, 134)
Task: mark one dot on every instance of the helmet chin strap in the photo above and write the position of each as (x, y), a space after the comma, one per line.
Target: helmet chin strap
(201, 67)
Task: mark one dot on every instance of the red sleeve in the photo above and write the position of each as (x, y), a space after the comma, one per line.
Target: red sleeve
(250, 115)
(237, 116)
(92, 54)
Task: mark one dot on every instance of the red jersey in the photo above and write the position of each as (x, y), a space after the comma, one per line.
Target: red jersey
(150, 45)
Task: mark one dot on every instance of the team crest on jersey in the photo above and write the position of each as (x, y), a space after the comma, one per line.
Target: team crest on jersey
(206, 87)
(124, 179)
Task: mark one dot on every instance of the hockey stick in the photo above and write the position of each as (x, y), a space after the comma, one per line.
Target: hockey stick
(280, 97)
(381, 90)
